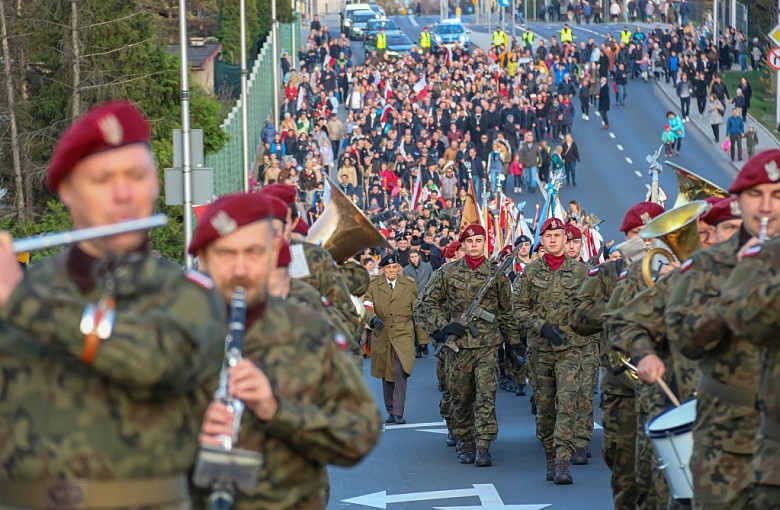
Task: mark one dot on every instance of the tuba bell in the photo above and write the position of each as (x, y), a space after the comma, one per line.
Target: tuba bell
(691, 187)
(342, 229)
(678, 230)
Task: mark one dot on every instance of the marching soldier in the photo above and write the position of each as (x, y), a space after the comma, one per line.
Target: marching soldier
(726, 418)
(102, 416)
(540, 301)
(472, 366)
(389, 304)
(307, 405)
(618, 413)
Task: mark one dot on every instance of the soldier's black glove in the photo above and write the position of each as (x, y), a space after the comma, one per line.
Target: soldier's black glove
(454, 328)
(553, 334)
(376, 323)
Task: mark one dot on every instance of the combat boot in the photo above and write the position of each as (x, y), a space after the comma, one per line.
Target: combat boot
(502, 380)
(451, 439)
(467, 452)
(550, 457)
(533, 405)
(579, 458)
(482, 458)
(520, 392)
(562, 475)
(511, 385)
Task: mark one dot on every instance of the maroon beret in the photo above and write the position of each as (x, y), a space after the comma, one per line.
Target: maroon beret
(227, 214)
(552, 224)
(572, 232)
(105, 127)
(451, 249)
(475, 229)
(284, 192)
(763, 168)
(639, 215)
(301, 228)
(723, 210)
(284, 255)
(279, 208)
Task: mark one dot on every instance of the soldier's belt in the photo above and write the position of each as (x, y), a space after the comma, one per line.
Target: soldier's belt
(85, 494)
(770, 427)
(727, 392)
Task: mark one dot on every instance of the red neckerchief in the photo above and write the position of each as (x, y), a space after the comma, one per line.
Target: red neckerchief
(473, 262)
(554, 262)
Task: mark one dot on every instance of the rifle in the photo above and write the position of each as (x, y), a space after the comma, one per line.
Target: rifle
(474, 309)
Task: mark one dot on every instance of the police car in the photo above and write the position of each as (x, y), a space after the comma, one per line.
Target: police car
(449, 33)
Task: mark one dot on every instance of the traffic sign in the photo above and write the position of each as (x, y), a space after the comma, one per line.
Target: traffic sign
(506, 3)
(773, 57)
(774, 34)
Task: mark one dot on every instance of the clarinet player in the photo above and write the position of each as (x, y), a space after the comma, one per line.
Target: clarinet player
(307, 405)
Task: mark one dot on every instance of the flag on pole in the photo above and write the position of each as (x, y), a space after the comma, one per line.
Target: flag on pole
(301, 99)
(328, 62)
(386, 110)
(421, 89)
(417, 191)
(326, 192)
(471, 212)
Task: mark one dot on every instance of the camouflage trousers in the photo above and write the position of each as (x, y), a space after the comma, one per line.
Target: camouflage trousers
(618, 416)
(653, 491)
(557, 396)
(589, 374)
(472, 378)
(767, 470)
(441, 375)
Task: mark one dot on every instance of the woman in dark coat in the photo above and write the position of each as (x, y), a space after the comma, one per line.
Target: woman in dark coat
(604, 103)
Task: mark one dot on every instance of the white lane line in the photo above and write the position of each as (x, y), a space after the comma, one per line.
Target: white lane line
(611, 134)
(413, 21)
(628, 160)
(415, 425)
(620, 147)
(638, 173)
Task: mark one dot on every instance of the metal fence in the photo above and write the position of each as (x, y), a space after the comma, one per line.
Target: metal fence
(228, 162)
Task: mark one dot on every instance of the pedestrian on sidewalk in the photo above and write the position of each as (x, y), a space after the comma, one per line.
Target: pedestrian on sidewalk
(735, 130)
(684, 93)
(747, 92)
(751, 139)
(715, 107)
(700, 91)
(678, 128)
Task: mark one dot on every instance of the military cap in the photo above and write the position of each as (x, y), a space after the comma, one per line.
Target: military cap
(552, 224)
(301, 228)
(472, 230)
(284, 258)
(389, 258)
(639, 214)
(425, 246)
(451, 249)
(723, 210)
(522, 239)
(284, 192)
(416, 241)
(103, 128)
(444, 241)
(227, 214)
(763, 168)
(572, 232)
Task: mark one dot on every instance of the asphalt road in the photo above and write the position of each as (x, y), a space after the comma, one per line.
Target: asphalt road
(411, 464)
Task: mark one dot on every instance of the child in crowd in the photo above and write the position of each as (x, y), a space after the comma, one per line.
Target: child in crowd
(668, 138)
(751, 138)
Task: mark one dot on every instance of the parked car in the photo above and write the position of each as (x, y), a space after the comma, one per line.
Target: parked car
(448, 33)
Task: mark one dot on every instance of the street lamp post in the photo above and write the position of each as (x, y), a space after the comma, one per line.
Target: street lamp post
(244, 102)
(275, 62)
(185, 130)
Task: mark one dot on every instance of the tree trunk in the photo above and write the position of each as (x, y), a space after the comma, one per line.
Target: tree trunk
(21, 202)
(76, 64)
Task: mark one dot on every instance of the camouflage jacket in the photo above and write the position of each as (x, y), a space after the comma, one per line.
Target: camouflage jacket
(306, 296)
(448, 295)
(326, 414)
(136, 412)
(420, 313)
(542, 295)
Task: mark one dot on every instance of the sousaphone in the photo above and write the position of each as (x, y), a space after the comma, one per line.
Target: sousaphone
(692, 187)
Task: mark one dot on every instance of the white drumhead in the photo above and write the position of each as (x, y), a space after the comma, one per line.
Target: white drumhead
(674, 418)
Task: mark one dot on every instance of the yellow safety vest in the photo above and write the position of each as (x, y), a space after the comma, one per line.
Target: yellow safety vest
(425, 40)
(498, 38)
(381, 41)
(528, 36)
(625, 36)
(566, 35)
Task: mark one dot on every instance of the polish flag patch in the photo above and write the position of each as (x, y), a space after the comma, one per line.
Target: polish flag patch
(199, 279)
(686, 265)
(593, 272)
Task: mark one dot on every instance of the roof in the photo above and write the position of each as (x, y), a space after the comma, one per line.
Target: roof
(198, 56)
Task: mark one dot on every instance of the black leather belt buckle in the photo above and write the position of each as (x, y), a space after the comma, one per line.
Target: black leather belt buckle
(66, 494)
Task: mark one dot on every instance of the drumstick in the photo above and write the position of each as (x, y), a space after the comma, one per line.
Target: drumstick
(665, 387)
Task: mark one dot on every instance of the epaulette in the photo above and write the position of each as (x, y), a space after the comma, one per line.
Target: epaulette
(752, 251)
(409, 278)
(686, 265)
(199, 279)
(593, 271)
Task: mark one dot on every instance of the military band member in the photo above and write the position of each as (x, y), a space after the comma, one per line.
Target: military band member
(618, 413)
(726, 418)
(307, 405)
(103, 419)
(472, 366)
(389, 304)
(541, 301)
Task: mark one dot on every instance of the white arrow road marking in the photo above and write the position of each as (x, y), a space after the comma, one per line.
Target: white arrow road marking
(415, 425)
(381, 499)
(490, 500)
(620, 147)
(434, 431)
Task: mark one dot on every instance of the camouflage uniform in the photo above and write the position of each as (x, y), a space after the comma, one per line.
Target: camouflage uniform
(652, 488)
(326, 414)
(306, 296)
(472, 366)
(750, 307)
(726, 419)
(134, 413)
(542, 296)
(618, 413)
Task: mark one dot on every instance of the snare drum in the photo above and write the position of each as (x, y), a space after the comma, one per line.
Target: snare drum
(671, 434)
